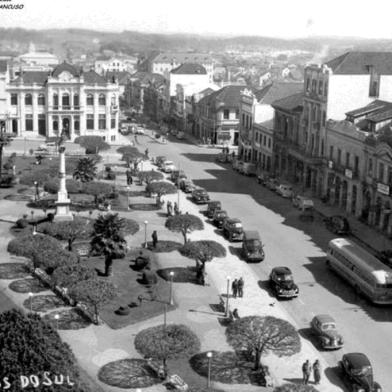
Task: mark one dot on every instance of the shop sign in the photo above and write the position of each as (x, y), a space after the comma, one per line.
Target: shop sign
(348, 173)
(382, 188)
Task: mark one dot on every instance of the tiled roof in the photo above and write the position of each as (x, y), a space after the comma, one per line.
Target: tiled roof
(122, 76)
(381, 115)
(189, 69)
(278, 90)
(228, 96)
(65, 67)
(357, 63)
(91, 77)
(182, 58)
(31, 77)
(3, 66)
(291, 103)
(374, 106)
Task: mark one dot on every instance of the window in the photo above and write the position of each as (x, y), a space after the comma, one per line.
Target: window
(102, 121)
(226, 114)
(101, 100)
(322, 147)
(237, 114)
(90, 121)
(113, 123)
(370, 167)
(314, 85)
(347, 159)
(14, 99)
(65, 101)
(77, 123)
(374, 86)
(269, 142)
(113, 138)
(243, 119)
(320, 87)
(55, 123)
(326, 88)
(28, 100)
(390, 175)
(42, 124)
(41, 99)
(381, 172)
(264, 140)
(330, 153)
(55, 101)
(29, 122)
(307, 84)
(339, 156)
(114, 100)
(356, 164)
(76, 102)
(90, 100)
(324, 118)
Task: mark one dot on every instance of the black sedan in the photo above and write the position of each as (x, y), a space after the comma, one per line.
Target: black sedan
(338, 225)
(282, 283)
(200, 196)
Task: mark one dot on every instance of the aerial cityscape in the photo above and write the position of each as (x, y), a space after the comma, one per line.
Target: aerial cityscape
(195, 197)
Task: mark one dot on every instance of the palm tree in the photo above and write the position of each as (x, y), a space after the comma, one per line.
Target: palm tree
(86, 170)
(108, 239)
(4, 140)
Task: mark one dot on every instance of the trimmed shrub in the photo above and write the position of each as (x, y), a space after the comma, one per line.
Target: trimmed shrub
(21, 223)
(69, 275)
(204, 250)
(92, 144)
(41, 176)
(96, 188)
(53, 184)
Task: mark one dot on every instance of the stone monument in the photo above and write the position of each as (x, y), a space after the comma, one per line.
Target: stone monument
(62, 204)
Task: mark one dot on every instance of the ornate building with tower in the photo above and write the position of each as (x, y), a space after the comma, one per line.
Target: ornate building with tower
(64, 101)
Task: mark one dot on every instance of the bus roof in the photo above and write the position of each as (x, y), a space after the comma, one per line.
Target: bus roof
(374, 265)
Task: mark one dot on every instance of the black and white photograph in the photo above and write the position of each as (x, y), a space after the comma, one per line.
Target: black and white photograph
(195, 196)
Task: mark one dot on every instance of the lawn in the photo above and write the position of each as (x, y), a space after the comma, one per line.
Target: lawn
(126, 281)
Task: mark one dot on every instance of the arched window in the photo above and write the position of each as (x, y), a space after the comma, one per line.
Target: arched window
(114, 100)
(90, 100)
(55, 101)
(102, 100)
(28, 99)
(41, 99)
(76, 102)
(65, 101)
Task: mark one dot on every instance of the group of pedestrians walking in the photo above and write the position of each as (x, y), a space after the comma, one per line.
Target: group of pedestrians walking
(307, 371)
(237, 287)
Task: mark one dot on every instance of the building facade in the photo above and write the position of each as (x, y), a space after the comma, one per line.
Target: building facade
(64, 101)
(115, 64)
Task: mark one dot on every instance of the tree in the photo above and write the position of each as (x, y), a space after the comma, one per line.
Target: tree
(68, 230)
(108, 239)
(130, 154)
(203, 251)
(150, 175)
(30, 346)
(5, 139)
(86, 170)
(295, 388)
(161, 188)
(93, 292)
(170, 342)
(260, 335)
(184, 224)
(69, 275)
(92, 144)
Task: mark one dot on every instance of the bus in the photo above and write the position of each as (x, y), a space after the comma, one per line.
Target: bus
(368, 275)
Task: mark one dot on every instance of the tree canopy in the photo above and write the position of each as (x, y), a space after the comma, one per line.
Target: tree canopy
(261, 335)
(161, 188)
(150, 175)
(69, 275)
(30, 346)
(295, 388)
(93, 144)
(203, 251)
(184, 224)
(86, 170)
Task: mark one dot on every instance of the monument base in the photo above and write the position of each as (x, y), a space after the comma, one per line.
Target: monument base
(62, 212)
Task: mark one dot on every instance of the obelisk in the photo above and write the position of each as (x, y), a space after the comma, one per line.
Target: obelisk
(62, 204)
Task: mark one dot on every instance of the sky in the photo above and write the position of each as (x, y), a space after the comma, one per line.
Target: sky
(274, 18)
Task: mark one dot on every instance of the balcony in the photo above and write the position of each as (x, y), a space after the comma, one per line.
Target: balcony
(114, 108)
(64, 108)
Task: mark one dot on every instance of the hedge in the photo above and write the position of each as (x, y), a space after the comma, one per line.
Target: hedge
(52, 186)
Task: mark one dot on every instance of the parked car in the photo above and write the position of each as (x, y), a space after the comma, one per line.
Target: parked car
(180, 135)
(139, 131)
(236, 164)
(200, 196)
(262, 178)
(338, 225)
(48, 147)
(219, 217)
(168, 166)
(232, 229)
(252, 246)
(223, 158)
(176, 174)
(307, 214)
(285, 190)
(282, 283)
(324, 328)
(159, 160)
(302, 202)
(272, 183)
(357, 373)
(212, 206)
(247, 168)
(187, 185)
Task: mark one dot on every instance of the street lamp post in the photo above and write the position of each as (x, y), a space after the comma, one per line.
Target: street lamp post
(36, 190)
(227, 296)
(56, 317)
(128, 188)
(209, 356)
(171, 287)
(145, 233)
(115, 175)
(31, 295)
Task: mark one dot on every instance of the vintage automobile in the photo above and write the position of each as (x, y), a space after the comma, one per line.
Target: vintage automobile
(302, 202)
(285, 190)
(237, 164)
(212, 206)
(223, 158)
(247, 168)
(357, 373)
(252, 246)
(200, 196)
(180, 135)
(176, 174)
(232, 229)
(282, 283)
(186, 185)
(159, 160)
(337, 224)
(218, 218)
(324, 328)
(168, 166)
(272, 183)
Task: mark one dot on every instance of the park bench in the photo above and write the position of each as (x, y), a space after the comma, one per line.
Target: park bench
(177, 383)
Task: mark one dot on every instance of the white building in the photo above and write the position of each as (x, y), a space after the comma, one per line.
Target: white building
(4, 79)
(115, 64)
(64, 101)
(192, 77)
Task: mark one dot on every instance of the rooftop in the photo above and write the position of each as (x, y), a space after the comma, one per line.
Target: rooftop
(278, 90)
(228, 96)
(170, 57)
(189, 69)
(361, 63)
(291, 103)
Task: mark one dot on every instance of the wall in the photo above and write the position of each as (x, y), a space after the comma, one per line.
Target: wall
(191, 83)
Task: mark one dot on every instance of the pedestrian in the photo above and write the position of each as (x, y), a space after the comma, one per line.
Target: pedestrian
(241, 287)
(154, 237)
(176, 209)
(316, 372)
(146, 152)
(234, 288)
(129, 177)
(306, 370)
(169, 208)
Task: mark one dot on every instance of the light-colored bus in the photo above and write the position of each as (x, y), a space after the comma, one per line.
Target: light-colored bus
(367, 274)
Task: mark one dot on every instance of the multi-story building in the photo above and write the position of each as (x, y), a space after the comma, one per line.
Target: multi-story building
(192, 78)
(4, 79)
(164, 63)
(218, 114)
(156, 102)
(115, 64)
(64, 101)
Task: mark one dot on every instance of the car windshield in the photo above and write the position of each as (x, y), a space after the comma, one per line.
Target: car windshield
(362, 371)
(253, 244)
(284, 277)
(237, 225)
(328, 326)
